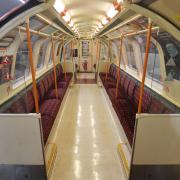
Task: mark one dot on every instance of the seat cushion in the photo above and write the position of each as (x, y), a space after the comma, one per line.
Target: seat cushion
(112, 94)
(52, 93)
(50, 107)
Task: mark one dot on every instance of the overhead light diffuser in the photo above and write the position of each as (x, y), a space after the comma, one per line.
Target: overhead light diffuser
(59, 6)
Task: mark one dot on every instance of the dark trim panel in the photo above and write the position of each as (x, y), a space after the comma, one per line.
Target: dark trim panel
(27, 6)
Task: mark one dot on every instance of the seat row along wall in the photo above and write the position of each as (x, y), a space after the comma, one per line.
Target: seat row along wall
(49, 105)
(126, 102)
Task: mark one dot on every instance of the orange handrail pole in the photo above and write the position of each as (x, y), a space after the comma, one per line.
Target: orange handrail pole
(64, 57)
(31, 62)
(119, 64)
(107, 65)
(148, 40)
(54, 65)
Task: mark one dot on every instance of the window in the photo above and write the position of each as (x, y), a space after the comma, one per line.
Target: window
(22, 62)
(153, 67)
(5, 68)
(68, 52)
(130, 54)
(85, 48)
(9, 6)
(41, 56)
(171, 49)
(58, 50)
(103, 54)
(22, 68)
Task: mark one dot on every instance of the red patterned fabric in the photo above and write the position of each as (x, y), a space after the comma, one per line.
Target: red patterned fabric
(156, 107)
(46, 84)
(131, 89)
(50, 81)
(47, 123)
(52, 93)
(126, 84)
(29, 101)
(18, 107)
(123, 78)
(136, 96)
(41, 90)
(50, 107)
(146, 102)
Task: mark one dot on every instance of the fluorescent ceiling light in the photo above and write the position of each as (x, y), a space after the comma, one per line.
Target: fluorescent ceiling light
(105, 21)
(71, 24)
(22, 1)
(67, 17)
(59, 6)
(112, 12)
(100, 26)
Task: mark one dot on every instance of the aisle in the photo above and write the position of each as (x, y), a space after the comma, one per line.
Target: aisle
(87, 145)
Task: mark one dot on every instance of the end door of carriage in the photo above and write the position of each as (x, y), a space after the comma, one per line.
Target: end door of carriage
(86, 60)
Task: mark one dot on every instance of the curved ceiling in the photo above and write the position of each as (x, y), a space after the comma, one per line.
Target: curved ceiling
(87, 15)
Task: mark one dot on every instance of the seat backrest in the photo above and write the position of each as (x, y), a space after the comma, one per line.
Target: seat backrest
(131, 88)
(122, 79)
(29, 102)
(126, 84)
(156, 107)
(18, 107)
(46, 83)
(41, 90)
(50, 81)
(135, 99)
(146, 100)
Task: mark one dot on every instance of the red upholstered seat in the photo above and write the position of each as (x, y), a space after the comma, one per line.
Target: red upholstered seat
(50, 107)
(41, 90)
(29, 101)
(112, 94)
(131, 88)
(18, 107)
(156, 107)
(47, 123)
(52, 93)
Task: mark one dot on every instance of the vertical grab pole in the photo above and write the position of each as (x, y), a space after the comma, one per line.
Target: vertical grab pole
(107, 66)
(31, 62)
(54, 65)
(148, 40)
(79, 55)
(72, 53)
(64, 57)
(119, 64)
(98, 59)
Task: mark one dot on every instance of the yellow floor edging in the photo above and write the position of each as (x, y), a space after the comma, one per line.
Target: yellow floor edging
(51, 160)
(123, 157)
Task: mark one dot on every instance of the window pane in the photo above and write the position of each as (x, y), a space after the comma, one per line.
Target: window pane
(68, 52)
(171, 49)
(153, 67)
(41, 55)
(22, 67)
(9, 6)
(5, 68)
(130, 54)
(104, 53)
(22, 61)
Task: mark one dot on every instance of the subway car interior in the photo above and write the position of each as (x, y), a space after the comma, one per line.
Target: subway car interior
(89, 90)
